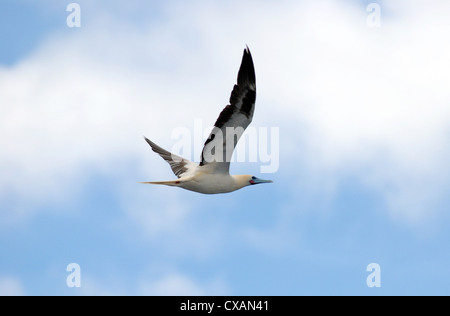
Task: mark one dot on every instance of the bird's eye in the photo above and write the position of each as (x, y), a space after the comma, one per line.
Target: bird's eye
(253, 178)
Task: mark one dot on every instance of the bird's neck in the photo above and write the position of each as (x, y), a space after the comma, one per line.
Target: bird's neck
(241, 180)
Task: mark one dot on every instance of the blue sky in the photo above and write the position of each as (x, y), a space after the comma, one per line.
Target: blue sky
(362, 114)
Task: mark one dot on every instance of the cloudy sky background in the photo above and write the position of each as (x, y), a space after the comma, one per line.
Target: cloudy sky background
(364, 122)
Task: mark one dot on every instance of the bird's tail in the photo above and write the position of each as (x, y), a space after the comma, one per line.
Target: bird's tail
(171, 182)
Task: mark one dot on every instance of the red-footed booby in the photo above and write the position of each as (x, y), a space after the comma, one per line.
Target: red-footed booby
(212, 175)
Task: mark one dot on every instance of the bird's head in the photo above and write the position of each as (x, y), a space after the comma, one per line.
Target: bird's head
(254, 180)
(245, 180)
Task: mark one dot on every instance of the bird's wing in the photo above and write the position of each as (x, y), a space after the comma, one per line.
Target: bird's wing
(179, 165)
(233, 119)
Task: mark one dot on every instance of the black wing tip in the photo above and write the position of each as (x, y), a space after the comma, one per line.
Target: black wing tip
(247, 56)
(246, 73)
(152, 144)
(147, 140)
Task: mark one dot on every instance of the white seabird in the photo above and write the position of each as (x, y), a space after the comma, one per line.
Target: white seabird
(212, 175)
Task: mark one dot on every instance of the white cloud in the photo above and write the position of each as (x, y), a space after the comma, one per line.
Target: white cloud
(378, 106)
(371, 103)
(178, 284)
(167, 283)
(11, 286)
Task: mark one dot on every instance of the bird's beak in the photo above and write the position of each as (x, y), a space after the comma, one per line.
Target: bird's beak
(258, 181)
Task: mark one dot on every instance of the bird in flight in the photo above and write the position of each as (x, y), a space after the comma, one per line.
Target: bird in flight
(211, 175)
